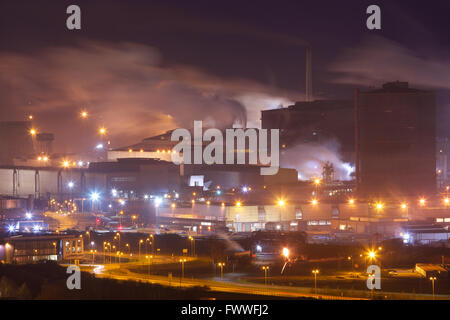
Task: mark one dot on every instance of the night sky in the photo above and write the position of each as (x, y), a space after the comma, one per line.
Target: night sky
(142, 67)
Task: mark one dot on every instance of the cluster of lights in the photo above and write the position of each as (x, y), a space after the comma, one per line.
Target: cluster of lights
(164, 151)
(68, 164)
(67, 206)
(43, 158)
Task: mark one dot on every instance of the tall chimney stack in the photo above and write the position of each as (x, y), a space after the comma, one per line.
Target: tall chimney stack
(309, 95)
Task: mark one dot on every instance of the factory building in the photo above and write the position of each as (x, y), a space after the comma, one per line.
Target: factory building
(30, 248)
(324, 218)
(395, 141)
(315, 122)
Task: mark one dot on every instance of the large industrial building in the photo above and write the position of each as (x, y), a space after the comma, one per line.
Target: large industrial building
(314, 122)
(395, 141)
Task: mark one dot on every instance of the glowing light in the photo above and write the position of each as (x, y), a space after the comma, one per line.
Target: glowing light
(11, 228)
(371, 254)
(286, 253)
(351, 201)
(30, 117)
(102, 130)
(157, 201)
(447, 201)
(84, 114)
(95, 196)
(99, 146)
(281, 202)
(173, 205)
(66, 164)
(80, 163)
(245, 189)
(70, 184)
(317, 181)
(258, 248)
(379, 206)
(33, 132)
(404, 205)
(314, 202)
(422, 201)
(208, 202)
(28, 215)
(238, 204)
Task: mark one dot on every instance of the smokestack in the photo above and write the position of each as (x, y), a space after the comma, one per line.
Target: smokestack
(308, 74)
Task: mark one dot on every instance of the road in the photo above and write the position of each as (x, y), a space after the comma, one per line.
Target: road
(122, 272)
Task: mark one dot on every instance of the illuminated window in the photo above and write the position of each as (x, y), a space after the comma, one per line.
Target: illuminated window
(298, 213)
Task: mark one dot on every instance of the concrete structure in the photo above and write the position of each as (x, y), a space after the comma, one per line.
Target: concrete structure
(395, 141)
(426, 234)
(431, 270)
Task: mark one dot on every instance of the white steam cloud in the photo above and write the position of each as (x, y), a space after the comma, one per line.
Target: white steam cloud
(308, 160)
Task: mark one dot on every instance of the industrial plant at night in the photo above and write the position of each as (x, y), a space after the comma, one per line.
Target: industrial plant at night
(220, 158)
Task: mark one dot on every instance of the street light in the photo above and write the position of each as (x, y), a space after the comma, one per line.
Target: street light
(286, 253)
(102, 131)
(149, 259)
(221, 265)
(140, 242)
(422, 202)
(266, 269)
(379, 206)
(433, 279)
(118, 234)
(182, 267)
(192, 240)
(315, 273)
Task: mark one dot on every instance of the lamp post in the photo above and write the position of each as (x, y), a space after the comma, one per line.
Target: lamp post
(315, 273)
(433, 279)
(146, 246)
(266, 269)
(140, 242)
(104, 252)
(93, 252)
(149, 259)
(118, 235)
(153, 244)
(192, 245)
(221, 265)
(182, 268)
